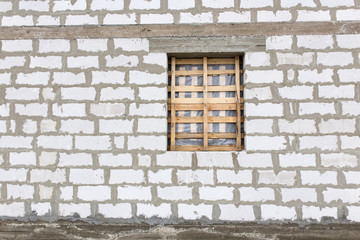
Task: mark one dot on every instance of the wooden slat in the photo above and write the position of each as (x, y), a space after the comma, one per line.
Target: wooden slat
(201, 119)
(201, 148)
(228, 88)
(238, 101)
(205, 82)
(201, 100)
(222, 119)
(173, 118)
(199, 61)
(201, 135)
(199, 107)
(200, 72)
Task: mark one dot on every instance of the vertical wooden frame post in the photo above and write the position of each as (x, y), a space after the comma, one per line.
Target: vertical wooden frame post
(205, 83)
(173, 118)
(238, 98)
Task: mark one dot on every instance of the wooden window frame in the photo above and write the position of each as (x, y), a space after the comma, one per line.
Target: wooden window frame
(205, 104)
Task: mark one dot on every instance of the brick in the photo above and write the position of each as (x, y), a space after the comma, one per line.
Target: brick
(338, 160)
(75, 159)
(83, 62)
(348, 41)
(264, 76)
(335, 59)
(12, 21)
(256, 3)
(348, 15)
(22, 158)
(7, 6)
(119, 142)
(49, 62)
(315, 41)
(234, 17)
(109, 77)
(152, 125)
(120, 176)
(265, 143)
(279, 42)
(353, 213)
(68, 78)
(250, 194)
(215, 159)
(350, 108)
(79, 20)
(148, 110)
(254, 160)
(295, 194)
(47, 158)
(317, 213)
(352, 177)
(62, 5)
(92, 143)
(344, 195)
(72, 209)
(3, 127)
(5, 78)
(166, 18)
(334, 3)
(176, 5)
(122, 61)
(297, 160)
(112, 160)
(55, 142)
(134, 193)
(187, 18)
(263, 110)
(145, 78)
(108, 109)
(47, 125)
(205, 177)
(313, 16)
(350, 142)
(304, 59)
(15, 142)
(270, 16)
(298, 126)
(25, 94)
(175, 193)
(16, 209)
(152, 93)
(34, 78)
(332, 91)
(15, 192)
(30, 127)
(66, 193)
(86, 176)
(317, 178)
(41, 209)
(13, 175)
(259, 126)
(54, 45)
(294, 3)
(174, 159)
(216, 193)
(78, 93)
(120, 19)
(296, 92)
(349, 75)
(115, 126)
(147, 143)
(16, 45)
(193, 212)
(160, 176)
(337, 126)
(318, 142)
(257, 59)
(120, 210)
(5, 110)
(45, 193)
(156, 58)
(115, 94)
(86, 193)
(144, 4)
(281, 178)
(316, 108)
(315, 76)
(230, 212)
(132, 44)
(149, 210)
(43, 176)
(77, 126)
(10, 62)
(48, 94)
(273, 212)
(111, 5)
(232, 177)
(144, 160)
(45, 20)
(217, 4)
(92, 45)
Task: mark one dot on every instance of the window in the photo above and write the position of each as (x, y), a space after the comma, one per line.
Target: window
(205, 104)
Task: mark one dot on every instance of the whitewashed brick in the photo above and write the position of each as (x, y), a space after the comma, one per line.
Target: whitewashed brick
(347, 91)
(92, 45)
(304, 59)
(177, 5)
(257, 59)
(315, 76)
(175, 193)
(348, 41)
(116, 126)
(263, 110)
(317, 178)
(5, 110)
(174, 159)
(152, 125)
(144, 160)
(92, 143)
(49, 62)
(20, 192)
(349, 75)
(160, 176)
(48, 94)
(112, 160)
(16, 45)
(16, 209)
(72, 209)
(166, 18)
(186, 18)
(281, 178)
(78, 93)
(311, 212)
(15, 142)
(254, 160)
(22, 158)
(351, 108)
(66, 193)
(45, 192)
(348, 15)
(264, 76)
(83, 62)
(132, 44)
(54, 45)
(265, 143)
(277, 212)
(313, 16)
(338, 160)
(7, 6)
(122, 61)
(3, 128)
(48, 125)
(337, 126)
(107, 109)
(144, 4)
(119, 142)
(234, 17)
(354, 213)
(344, 195)
(13, 175)
(77, 126)
(120, 19)
(134, 193)
(295, 194)
(318, 142)
(145, 78)
(156, 58)
(250, 194)
(350, 142)
(55, 142)
(86, 176)
(271, 16)
(216, 193)
(205, 177)
(215, 159)
(119, 176)
(30, 126)
(111, 94)
(46, 20)
(153, 93)
(11, 21)
(256, 3)
(34, 78)
(147, 110)
(218, 4)
(296, 92)
(279, 42)
(47, 158)
(41, 209)
(79, 20)
(315, 41)
(111, 5)
(230, 212)
(298, 126)
(193, 212)
(259, 126)
(63, 5)
(149, 210)
(120, 210)
(335, 58)
(10, 62)
(232, 177)
(316, 108)
(42, 176)
(86, 193)
(147, 142)
(75, 159)
(5, 78)
(109, 77)
(297, 160)
(25, 94)
(352, 177)
(335, 3)
(294, 3)
(68, 78)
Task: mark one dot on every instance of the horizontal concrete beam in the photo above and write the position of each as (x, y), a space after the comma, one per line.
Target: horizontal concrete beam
(203, 30)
